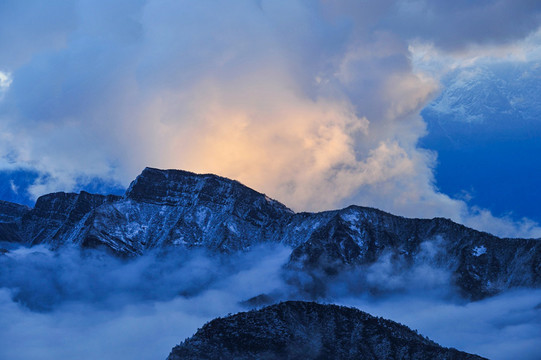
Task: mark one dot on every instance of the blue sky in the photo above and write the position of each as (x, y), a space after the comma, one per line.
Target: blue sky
(485, 126)
(318, 104)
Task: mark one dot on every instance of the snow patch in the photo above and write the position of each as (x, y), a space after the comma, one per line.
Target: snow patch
(134, 228)
(201, 217)
(351, 217)
(359, 241)
(305, 225)
(233, 228)
(479, 250)
(163, 210)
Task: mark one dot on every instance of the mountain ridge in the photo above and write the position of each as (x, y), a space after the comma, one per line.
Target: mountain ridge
(175, 208)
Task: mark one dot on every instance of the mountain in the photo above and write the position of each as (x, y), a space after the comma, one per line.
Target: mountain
(172, 208)
(307, 330)
(499, 98)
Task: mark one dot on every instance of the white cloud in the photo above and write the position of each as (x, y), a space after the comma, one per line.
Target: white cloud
(13, 187)
(316, 105)
(437, 62)
(503, 327)
(88, 306)
(69, 305)
(5, 82)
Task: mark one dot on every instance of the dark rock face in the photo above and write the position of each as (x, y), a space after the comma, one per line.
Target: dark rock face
(10, 212)
(56, 215)
(10, 232)
(164, 208)
(177, 208)
(177, 187)
(10, 221)
(304, 330)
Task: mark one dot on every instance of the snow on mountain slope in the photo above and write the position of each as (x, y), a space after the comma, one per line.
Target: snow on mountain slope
(164, 208)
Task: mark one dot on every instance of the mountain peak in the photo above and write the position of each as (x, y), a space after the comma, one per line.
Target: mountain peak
(177, 187)
(167, 186)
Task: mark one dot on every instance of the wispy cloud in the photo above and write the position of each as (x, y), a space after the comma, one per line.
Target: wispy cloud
(14, 187)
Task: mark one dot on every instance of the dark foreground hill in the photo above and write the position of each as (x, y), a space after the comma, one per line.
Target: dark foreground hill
(173, 208)
(307, 330)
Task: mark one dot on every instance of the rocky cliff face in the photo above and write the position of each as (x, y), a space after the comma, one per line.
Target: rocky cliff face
(10, 221)
(303, 330)
(164, 208)
(55, 217)
(176, 208)
(10, 212)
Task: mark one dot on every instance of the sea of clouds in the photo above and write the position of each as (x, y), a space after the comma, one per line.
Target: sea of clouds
(87, 305)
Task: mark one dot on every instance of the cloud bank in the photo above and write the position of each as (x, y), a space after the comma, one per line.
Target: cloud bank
(68, 304)
(88, 305)
(313, 103)
(503, 327)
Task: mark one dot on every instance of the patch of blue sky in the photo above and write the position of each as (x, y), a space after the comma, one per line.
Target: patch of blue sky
(15, 185)
(486, 128)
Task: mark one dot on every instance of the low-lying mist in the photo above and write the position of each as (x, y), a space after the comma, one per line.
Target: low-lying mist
(88, 305)
(42, 280)
(506, 326)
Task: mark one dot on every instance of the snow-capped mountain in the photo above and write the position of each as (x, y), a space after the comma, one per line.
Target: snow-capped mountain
(488, 95)
(172, 208)
(305, 330)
